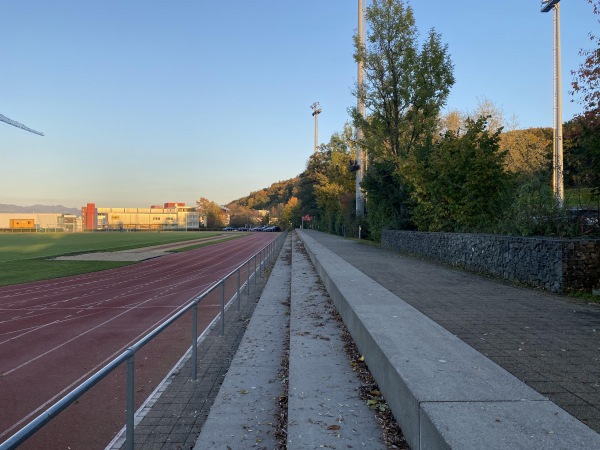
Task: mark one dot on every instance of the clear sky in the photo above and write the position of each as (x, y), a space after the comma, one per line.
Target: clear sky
(150, 101)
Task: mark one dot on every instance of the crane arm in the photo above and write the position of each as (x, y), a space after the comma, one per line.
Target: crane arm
(18, 125)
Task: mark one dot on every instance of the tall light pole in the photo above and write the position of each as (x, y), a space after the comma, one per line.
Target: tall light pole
(360, 160)
(316, 111)
(557, 172)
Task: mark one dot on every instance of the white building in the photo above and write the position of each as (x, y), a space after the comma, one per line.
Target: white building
(40, 222)
(172, 216)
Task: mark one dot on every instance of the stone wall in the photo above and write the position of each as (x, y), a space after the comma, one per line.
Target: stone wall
(558, 265)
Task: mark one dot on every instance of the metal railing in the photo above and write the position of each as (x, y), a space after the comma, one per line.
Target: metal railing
(265, 256)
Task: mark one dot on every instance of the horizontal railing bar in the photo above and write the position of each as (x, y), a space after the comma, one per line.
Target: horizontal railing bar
(41, 420)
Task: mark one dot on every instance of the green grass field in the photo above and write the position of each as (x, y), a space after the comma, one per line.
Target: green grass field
(25, 257)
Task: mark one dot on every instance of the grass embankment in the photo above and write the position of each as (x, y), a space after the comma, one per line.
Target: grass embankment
(27, 257)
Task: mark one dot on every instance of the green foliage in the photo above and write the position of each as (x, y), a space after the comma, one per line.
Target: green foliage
(586, 80)
(388, 200)
(582, 155)
(529, 151)
(269, 198)
(533, 211)
(333, 185)
(291, 213)
(459, 182)
(404, 87)
(273, 199)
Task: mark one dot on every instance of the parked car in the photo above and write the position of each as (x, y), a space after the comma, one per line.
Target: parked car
(228, 229)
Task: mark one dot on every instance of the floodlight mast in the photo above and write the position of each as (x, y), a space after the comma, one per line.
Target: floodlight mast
(316, 111)
(14, 123)
(360, 157)
(557, 172)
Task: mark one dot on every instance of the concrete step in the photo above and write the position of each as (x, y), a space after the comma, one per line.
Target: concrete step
(243, 414)
(324, 408)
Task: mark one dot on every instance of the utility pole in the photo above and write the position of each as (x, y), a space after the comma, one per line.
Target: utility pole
(316, 111)
(360, 159)
(557, 166)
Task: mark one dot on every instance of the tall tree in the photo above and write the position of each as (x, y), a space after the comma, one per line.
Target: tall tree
(404, 89)
(334, 183)
(586, 82)
(291, 213)
(212, 213)
(586, 127)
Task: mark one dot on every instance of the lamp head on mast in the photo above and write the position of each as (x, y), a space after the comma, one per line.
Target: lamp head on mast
(547, 5)
(316, 108)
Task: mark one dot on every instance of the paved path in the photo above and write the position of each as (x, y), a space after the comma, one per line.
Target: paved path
(550, 342)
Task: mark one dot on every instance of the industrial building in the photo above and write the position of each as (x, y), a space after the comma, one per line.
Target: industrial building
(24, 222)
(168, 217)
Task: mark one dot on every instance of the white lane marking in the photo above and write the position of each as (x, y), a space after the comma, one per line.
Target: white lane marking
(67, 342)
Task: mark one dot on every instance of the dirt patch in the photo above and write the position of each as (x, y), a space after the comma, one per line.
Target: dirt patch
(137, 254)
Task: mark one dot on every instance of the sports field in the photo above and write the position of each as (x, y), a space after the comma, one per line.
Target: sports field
(28, 257)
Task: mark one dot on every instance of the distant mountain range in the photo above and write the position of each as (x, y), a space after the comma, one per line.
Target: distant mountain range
(57, 209)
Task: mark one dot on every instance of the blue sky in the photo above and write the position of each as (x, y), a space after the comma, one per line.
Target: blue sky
(150, 101)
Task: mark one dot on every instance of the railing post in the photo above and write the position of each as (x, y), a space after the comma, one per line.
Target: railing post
(248, 279)
(195, 342)
(223, 307)
(130, 403)
(239, 298)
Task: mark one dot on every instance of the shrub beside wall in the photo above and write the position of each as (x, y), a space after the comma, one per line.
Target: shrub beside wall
(558, 265)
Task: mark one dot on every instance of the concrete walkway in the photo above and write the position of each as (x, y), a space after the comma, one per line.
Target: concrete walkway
(443, 392)
(550, 342)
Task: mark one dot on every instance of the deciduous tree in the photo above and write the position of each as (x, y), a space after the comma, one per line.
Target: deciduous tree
(213, 213)
(404, 89)
(586, 82)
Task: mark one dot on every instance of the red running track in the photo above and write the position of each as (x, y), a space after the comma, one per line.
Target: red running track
(55, 334)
